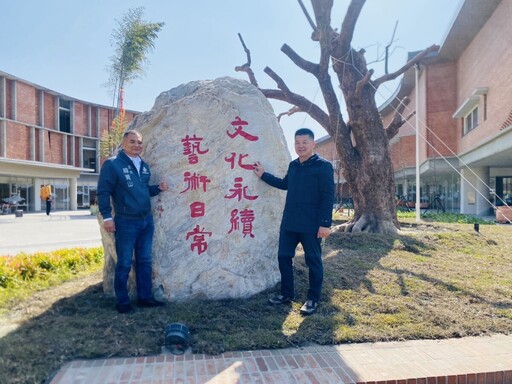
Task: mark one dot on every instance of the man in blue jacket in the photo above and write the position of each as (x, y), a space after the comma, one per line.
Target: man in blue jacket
(124, 180)
(306, 218)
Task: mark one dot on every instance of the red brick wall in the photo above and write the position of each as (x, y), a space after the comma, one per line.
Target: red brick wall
(49, 111)
(403, 152)
(18, 134)
(441, 103)
(53, 147)
(104, 120)
(487, 62)
(80, 119)
(17, 141)
(327, 150)
(27, 104)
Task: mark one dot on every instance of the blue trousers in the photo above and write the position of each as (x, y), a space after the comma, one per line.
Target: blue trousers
(288, 242)
(133, 236)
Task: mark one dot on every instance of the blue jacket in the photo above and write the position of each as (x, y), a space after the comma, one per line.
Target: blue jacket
(310, 196)
(130, 191)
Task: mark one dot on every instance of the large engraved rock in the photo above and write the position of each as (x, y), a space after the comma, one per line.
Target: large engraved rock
(217, 228)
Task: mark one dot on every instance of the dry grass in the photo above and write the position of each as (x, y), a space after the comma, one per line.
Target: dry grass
(432, 281)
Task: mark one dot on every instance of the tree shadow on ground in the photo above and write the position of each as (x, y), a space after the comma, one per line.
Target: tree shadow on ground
(368, 295)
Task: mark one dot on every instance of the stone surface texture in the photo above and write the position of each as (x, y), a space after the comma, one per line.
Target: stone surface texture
(217, 228)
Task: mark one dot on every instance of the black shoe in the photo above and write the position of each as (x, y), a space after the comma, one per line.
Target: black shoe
(309, 307)
(280, 299)
(124, 308)
(149, 303)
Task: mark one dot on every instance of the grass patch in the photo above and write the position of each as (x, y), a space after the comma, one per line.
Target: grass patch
(447, 217)
(431, 281)
(22, 275)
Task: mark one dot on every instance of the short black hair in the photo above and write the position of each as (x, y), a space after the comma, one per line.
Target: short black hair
(305, 131)
(130, 131)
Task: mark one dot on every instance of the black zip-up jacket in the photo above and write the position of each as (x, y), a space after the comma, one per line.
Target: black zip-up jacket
(310, 196)
(130, 191)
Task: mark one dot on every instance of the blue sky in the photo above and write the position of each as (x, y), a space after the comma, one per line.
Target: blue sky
(65, 45)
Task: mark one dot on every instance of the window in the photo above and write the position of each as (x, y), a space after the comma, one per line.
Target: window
(471, 120)
(89, 154)
(503, 191)
(64, 115)
(468, 110)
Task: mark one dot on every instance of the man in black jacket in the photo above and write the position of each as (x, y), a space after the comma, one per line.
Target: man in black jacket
(124, 180)
(306, 218)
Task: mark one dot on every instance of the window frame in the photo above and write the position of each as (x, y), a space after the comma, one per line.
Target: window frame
(470, 120)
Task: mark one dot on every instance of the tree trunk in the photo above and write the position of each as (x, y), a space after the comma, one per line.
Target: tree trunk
(367, 166)
(362, 141)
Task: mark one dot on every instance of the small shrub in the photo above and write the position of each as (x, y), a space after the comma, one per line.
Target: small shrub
(22, 274)
(458, 218)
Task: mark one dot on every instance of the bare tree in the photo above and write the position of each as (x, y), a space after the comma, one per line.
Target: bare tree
(362, 141)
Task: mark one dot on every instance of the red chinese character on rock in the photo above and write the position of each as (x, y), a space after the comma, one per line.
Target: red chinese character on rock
(231, 160)
(197, 209)
(194, 181)
(239, 191)
(198, 241)
(246, 217)
(238, 123)
(235, 225)
(192, 148)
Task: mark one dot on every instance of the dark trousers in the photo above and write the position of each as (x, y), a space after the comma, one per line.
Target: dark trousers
(288, 242)
(133, 236)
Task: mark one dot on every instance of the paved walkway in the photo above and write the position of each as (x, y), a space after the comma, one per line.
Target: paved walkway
(483, 360)
(36, 232)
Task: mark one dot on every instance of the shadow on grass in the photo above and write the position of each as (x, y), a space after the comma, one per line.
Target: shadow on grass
(364, 299)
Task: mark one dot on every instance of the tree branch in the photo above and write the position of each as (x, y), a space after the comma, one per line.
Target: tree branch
(409, 64)
(290, 112)
(303, 64)
(324, 32)
(310, 21)
(361, 83)
(323, 77)
(301, 102)
(398, 120)
(247, 66)
(349, 24)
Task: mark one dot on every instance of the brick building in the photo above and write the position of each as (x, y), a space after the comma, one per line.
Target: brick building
(464, 104)
(47, 138)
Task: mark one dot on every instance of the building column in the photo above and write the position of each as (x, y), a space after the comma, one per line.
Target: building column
(37, 198)
(3, 136)
(41, 109)
(64, 149)
(483, 207)
(467, 192)
(14, 101)
(42, 133)
(3, 97)
(3, 112)
(32, 143)
(73, 190)
(474, 192)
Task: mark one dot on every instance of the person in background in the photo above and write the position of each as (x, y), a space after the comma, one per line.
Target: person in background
(49, 203)
(124, 180)
(307, 217)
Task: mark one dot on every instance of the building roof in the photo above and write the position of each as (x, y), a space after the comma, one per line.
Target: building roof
(467, 22)
(52, 92)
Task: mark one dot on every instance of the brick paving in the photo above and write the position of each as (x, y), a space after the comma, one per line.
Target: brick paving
(478, 360)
